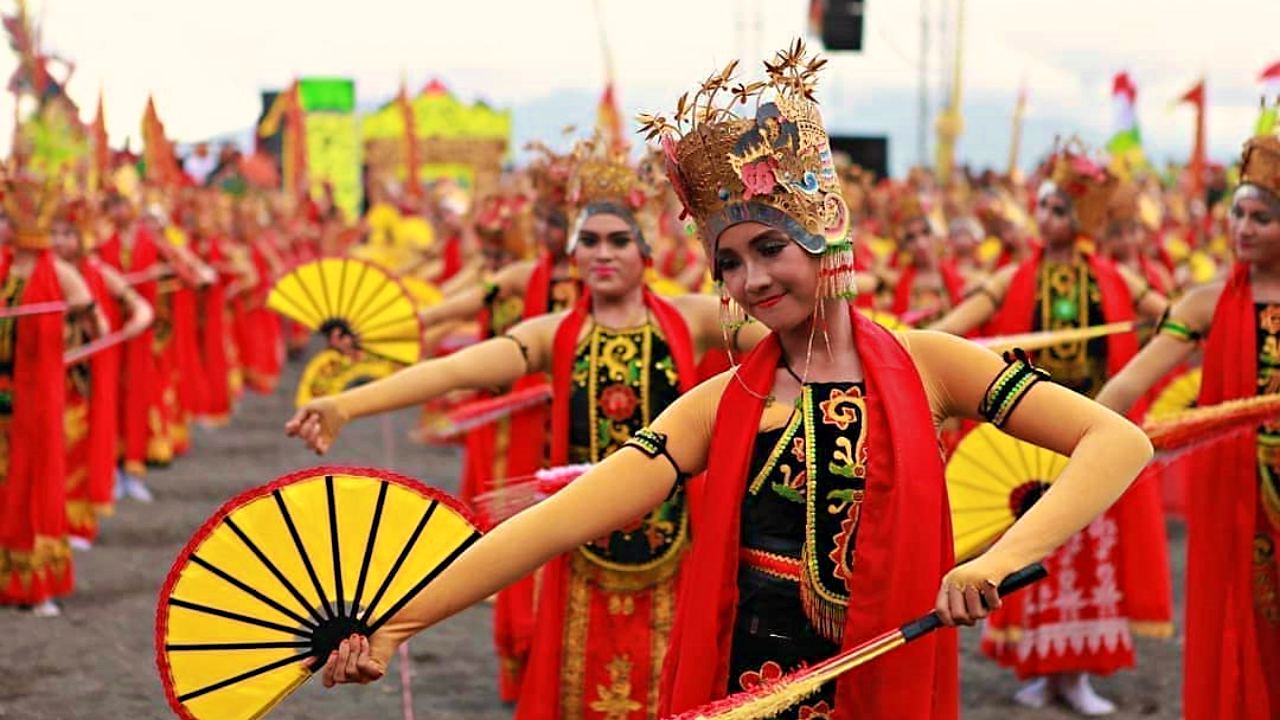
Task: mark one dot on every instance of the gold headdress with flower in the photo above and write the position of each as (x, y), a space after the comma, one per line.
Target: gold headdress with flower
(1086, 183)
(548, 173)
(31, 204)
(773, 166)
(604, 180)
(1260, 164)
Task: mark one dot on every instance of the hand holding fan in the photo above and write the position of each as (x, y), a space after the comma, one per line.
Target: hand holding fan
(356, 297)
(285, 572)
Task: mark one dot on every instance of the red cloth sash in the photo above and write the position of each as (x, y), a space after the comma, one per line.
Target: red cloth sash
(213, 339)
(138, 364)
(33, 504)
(1019, 306)
(104, 389)
(540, 696)
(951, 281)
(905, 515)
(1223, 676)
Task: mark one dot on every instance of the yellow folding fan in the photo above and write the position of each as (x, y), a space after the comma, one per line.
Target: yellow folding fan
(285, 572)
(357, 297)
(1180, 394)
(992, 479)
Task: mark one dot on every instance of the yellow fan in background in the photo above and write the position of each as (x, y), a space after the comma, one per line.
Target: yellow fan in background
(288, 570)
(424, 293)
(356, 297)
(992, 479)
(885, 319)
(1180, 394)
(331, 372)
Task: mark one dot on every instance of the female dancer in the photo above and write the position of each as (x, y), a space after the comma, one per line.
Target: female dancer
(822, 472)
(619, 357)
(1232, 659)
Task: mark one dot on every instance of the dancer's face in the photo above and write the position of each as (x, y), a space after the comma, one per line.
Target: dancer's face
(768, 274)
(1053, 217)
(608, 256)
(552, 228)
(65, 240)
(917, 240)
(1255, 230)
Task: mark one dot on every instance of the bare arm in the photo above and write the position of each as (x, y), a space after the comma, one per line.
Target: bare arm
(1105, 451)
(1162, 354)
(595, 504)
(136, 308)
(467, 303)
(978, 307)
(75, 292)
(1147, 302)
(492, 363)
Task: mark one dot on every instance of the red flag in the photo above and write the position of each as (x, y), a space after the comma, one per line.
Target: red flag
(101, 150)
(1271, 74)
(413, 187)
(1122, 84)
(1195, 169)
(295, 144)
(609, 119)
(162, 164)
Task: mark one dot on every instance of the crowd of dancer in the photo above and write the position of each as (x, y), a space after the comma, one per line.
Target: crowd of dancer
(728, 331)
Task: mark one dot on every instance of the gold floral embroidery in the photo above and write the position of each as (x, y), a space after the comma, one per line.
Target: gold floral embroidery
(622, 605)
(615, 700)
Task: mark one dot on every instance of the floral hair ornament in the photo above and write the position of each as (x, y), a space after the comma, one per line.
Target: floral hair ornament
(1086, 183)
(773, 166)
(1260, 163)
(604, 181)
(31, 204)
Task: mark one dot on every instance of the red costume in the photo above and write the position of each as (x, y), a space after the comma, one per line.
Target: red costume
(35, 561)
(1114, 575)
(1232, 658)
(138, 366)
(904, 489)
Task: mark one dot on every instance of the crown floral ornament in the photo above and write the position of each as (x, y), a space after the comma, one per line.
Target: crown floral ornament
(604, 180)
(1260, 163)
(31, 204)
(1086, 183)
(772, 165)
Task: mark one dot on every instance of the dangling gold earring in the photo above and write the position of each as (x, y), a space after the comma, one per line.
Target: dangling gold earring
(732, 316)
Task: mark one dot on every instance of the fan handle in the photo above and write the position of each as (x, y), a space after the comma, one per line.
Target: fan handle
(1028, 575)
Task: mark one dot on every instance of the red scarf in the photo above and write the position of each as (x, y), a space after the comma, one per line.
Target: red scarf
(213, 339)
(540, 695)
(526, 451)
(104, 400)
(951, 281)
(905, 515)
(1019, 306)
(33, 498)
(139, 363)
(1223, 675)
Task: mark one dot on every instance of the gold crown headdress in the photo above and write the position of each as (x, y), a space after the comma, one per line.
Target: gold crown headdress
(604, 180)
(1260, 163)
(548, 173)
(1086, 183)
(31, 204)
(773, 167)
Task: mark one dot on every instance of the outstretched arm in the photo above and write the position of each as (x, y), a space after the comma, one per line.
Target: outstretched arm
(624, 486)
(1105, 452)
(1174, 340)
(492, 363)
(978, 307)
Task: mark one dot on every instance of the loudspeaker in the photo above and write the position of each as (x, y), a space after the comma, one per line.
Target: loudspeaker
(870, 152)
(842, 24)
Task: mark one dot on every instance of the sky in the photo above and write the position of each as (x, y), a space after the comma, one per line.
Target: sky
(205, 63)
